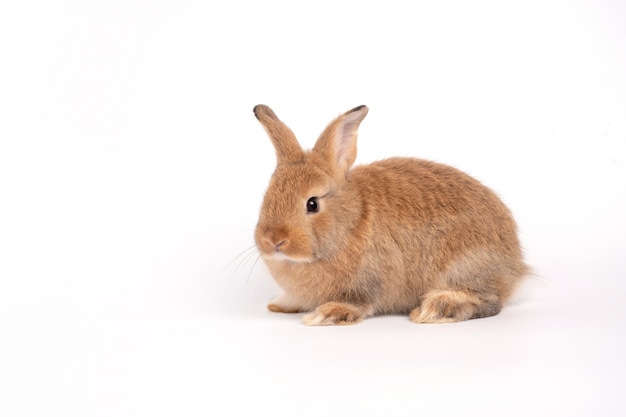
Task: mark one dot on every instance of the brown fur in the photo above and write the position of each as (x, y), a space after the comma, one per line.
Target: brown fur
(397, 236)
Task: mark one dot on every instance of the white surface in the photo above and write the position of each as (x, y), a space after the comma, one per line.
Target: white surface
(132, 169)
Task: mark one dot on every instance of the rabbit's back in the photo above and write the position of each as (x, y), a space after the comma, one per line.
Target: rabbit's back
(439, 227)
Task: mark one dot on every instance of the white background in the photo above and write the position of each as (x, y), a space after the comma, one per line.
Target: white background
(132, 170)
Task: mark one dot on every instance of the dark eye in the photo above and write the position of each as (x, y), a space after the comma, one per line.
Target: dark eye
(312, 206)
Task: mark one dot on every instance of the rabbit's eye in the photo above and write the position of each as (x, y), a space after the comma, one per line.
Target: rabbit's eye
(312, 206)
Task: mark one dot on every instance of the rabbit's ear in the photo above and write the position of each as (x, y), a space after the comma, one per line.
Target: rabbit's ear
(287, 147)
(337, 143)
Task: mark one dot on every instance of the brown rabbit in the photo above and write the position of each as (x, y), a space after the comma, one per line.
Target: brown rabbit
(398, 236)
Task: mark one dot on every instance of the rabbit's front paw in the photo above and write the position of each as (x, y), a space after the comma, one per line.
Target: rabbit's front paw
(335, 313)
(284, 303)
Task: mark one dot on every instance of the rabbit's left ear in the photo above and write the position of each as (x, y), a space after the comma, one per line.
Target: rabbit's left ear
(288, 149)
(337, 143)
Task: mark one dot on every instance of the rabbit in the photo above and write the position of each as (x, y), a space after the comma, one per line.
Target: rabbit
(397, 236)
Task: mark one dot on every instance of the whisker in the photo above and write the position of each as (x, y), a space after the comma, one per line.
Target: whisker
(244, 252)
(240, 260)
(244, 260)
(252, 269)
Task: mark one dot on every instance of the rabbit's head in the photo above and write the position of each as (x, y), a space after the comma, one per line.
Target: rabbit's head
(309, 206)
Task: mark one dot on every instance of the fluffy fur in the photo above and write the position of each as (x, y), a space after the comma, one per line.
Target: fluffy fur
(398, 236)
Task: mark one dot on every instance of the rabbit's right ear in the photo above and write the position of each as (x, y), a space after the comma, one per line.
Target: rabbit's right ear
(337, 143)
(287, 147)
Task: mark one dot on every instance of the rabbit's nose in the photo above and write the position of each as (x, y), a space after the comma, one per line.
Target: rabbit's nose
(280, 244)
(271, 244)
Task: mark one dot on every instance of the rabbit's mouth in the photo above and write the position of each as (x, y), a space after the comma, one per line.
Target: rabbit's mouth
(282, 257)
(282, 244)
